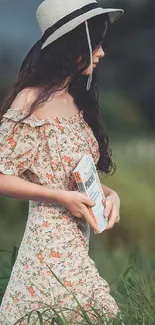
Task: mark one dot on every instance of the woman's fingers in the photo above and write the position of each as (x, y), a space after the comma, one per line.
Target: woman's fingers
(85, 212)
(113, 218)
(108, 208)
(118, 219)
(110, 211)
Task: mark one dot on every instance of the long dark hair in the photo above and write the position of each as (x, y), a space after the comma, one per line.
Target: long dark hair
(48, 69)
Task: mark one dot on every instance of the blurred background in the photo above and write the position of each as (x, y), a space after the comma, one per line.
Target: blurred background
(127, 88)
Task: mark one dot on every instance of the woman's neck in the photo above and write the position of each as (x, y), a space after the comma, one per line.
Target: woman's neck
(63, 92)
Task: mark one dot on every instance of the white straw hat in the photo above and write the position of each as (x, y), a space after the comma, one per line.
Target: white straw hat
(58, 17)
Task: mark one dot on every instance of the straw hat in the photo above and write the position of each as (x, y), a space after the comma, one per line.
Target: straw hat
(58, 17)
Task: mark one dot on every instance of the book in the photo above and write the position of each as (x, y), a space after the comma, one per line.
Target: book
(87, 179)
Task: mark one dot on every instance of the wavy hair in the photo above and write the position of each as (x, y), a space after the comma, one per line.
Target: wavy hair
(48, 71)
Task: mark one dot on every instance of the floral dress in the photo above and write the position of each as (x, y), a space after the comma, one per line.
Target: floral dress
(55, 244)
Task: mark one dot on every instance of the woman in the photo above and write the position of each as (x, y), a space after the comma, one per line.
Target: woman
(49, 120)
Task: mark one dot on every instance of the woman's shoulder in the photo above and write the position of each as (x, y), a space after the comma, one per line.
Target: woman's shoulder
(21, 108)
(24, 99)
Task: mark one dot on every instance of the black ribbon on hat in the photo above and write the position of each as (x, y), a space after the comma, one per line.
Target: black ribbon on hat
(34, 53)
(68, 18)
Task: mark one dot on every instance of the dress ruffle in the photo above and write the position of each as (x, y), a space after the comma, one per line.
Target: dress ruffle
(18, 144)
(33, 121)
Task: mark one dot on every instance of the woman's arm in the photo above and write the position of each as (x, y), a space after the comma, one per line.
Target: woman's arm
(16, 187)
(75, 202)
(107, 190)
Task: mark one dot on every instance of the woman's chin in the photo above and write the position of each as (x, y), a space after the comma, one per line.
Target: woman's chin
(88, 71)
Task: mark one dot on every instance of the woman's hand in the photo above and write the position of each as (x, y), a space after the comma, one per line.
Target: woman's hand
(112, 208)
(78, 203)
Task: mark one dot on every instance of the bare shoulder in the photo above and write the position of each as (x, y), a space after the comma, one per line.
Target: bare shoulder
(24, 99)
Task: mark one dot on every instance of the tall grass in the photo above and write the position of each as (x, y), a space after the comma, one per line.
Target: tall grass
(134, 291)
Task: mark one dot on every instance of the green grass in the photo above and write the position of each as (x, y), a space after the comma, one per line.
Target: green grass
(134, 182)
(133, 289)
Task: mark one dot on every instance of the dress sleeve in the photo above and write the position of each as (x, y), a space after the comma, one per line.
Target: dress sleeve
(18, 147)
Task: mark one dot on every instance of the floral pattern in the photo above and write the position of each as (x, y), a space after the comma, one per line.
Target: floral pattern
(45, 152)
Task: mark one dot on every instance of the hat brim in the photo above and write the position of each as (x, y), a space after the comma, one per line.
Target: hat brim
(114, 14)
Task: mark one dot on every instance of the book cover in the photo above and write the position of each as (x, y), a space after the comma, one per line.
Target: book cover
(87, 179)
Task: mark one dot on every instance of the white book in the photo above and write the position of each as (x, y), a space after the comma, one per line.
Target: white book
(87, 179)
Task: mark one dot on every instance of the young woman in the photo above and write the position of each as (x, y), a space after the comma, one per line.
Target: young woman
(49, 120)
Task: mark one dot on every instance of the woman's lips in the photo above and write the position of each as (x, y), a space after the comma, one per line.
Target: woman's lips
(95, 63)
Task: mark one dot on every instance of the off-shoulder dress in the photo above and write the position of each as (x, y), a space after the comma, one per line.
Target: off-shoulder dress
(45, 152)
